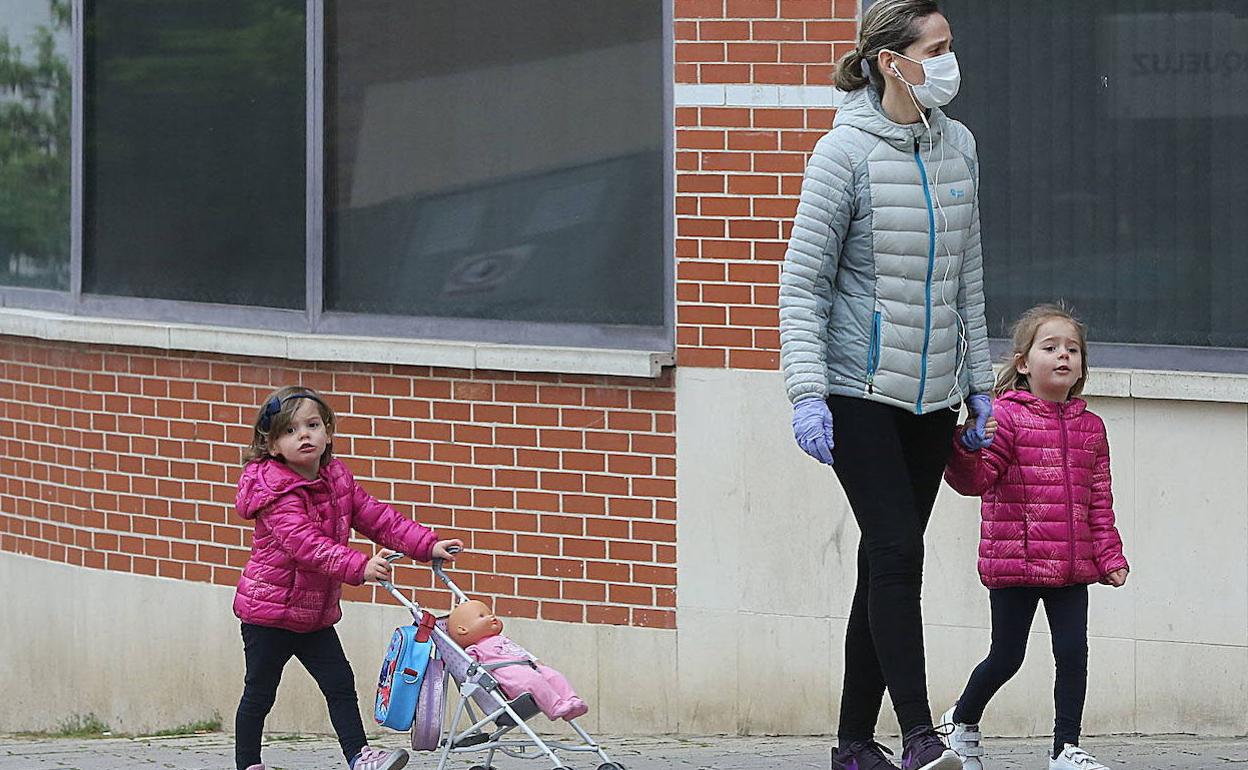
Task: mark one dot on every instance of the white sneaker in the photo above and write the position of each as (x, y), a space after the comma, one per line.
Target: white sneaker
(964, 739)
(380, 759)
(1075, 758)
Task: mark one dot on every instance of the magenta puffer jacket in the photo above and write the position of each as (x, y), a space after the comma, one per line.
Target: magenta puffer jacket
(1048, 512)
(299, 552)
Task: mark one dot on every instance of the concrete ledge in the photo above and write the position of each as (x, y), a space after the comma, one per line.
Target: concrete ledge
(754, 95)
(1162, 385)
(1168, 386)
(323, 347)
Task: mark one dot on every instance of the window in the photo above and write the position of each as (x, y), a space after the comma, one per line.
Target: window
(456, 169)
(194, 123)
(496, 160)
(36, 51)
(1110, 138)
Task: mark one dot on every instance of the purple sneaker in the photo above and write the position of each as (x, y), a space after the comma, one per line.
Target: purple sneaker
(862, 755)
(922, 749)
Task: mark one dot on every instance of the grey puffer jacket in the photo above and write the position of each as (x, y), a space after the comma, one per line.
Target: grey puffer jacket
(881, 296)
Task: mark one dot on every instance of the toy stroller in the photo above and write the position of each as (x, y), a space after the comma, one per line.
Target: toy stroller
(482, 702)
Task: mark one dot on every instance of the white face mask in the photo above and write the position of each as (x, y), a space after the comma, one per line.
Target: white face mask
(941, 79)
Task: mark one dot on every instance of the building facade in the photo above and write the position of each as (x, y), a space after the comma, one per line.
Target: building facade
(532, 257)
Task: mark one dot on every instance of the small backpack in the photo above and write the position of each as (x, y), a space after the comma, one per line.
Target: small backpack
(398, 686)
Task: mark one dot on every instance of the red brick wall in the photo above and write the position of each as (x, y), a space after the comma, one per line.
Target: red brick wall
(563, 487)
(739, 169)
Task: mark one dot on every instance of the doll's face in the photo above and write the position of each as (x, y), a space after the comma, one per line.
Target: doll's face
(471, 622)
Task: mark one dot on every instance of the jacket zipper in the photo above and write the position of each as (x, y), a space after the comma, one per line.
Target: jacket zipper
(931, 265)
(1070, 507)
(873, 353)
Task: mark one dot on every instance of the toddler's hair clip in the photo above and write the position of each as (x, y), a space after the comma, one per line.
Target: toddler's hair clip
(274, 405)
(271, 408)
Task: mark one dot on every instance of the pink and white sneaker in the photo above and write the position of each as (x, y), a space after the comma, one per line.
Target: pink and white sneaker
(379, 759)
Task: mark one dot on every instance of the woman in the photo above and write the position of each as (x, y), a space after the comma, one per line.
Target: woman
(882, 337)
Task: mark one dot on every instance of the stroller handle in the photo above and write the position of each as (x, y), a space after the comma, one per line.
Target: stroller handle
(437, 563)
(437, 570)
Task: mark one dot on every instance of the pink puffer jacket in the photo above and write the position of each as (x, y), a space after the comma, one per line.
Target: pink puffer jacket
(299, 552)
(1048, 512)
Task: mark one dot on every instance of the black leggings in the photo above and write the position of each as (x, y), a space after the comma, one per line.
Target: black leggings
(1012, 611)
(266, 651)
(890, 462)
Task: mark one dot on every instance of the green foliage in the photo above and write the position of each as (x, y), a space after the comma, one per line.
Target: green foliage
(82, 726)
(159, 48)
(212, 725)
(35, 153)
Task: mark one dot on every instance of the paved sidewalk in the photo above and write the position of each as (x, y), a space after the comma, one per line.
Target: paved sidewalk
(214, 752)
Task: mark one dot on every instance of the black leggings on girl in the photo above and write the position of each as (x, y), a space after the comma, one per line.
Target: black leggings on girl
(890, 463)
(1012, 611)
(266, 651)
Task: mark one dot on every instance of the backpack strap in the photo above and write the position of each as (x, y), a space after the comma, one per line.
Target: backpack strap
(425, 627)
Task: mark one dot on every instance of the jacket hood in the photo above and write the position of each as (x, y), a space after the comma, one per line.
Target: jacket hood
(1033, 403)
(263, 482)
(862, 109)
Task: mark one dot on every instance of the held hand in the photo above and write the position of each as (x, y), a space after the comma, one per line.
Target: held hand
(979, 435)
(378, 568)
(1117, 578)
(812, 428)
(990, 430)
(442, 549)
(970, 437)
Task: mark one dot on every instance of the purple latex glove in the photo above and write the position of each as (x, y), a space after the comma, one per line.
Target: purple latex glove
(973, 439)
(812, 427)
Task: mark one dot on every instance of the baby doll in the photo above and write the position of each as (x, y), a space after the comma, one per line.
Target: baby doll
(479, 632)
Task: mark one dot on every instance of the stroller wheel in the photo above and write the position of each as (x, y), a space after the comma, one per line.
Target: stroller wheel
(482, 767)
(610, 766)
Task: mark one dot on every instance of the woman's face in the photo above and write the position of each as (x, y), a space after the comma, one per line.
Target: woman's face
(935, 38)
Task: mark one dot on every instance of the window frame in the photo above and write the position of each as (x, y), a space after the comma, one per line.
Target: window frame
(314, 318)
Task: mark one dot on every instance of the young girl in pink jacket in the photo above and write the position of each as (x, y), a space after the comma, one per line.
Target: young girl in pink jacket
(1048, 525)
(304, 504)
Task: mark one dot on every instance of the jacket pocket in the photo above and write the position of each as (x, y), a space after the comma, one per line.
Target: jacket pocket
(873, 351)
(1024, 509)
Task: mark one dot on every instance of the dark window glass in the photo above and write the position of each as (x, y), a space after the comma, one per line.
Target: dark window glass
(36, 53)
(1111, 139)
(195, 133)
(499, 160)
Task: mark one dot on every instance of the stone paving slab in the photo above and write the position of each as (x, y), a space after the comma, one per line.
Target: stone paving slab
(214, 751)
